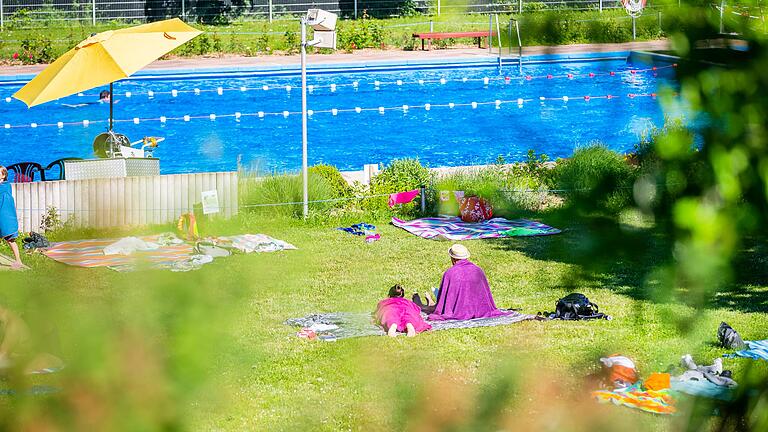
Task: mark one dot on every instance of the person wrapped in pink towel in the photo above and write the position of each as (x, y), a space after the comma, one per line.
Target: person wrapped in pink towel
(398, 314)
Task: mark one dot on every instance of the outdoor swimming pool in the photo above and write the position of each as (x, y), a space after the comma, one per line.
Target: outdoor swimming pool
(507, 119)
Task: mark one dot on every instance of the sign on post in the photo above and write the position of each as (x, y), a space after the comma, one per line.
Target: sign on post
(210, 200)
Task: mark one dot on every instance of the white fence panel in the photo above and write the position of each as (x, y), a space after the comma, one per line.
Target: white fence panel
(122, 202)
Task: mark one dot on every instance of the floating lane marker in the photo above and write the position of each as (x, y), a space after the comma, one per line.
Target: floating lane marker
(261, 114)
(334, 111)
(238, 115)
(150, 94)
(174, 92)
(358, 110)
(60, 124)
(212, 117)
(310, 112)
(163, 119)
(381, 110)
(265, 87)
(34, 125)
(135, 120)
(127, 94)
(333, 87)
(288, 88)
(286, 114)
(186, 118)
(7, 99)
(220, 91)
(85, 123)
(427, 107)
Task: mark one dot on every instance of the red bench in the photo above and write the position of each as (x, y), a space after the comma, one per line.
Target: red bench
(479, 35)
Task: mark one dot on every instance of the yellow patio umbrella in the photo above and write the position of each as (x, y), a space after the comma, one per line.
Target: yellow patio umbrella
(105, 58)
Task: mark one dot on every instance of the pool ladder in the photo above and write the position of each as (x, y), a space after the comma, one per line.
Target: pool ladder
(519, 43)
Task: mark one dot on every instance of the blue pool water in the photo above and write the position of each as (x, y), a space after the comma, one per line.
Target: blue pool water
(440, 136)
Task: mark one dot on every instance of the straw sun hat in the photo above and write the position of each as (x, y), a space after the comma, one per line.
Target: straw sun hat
(458, 252)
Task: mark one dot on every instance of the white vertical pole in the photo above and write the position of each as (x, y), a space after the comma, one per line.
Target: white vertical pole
(438, 7)
(520, 6)
(2, 20)
(183, 10)
(270, 13)
(634, 31)
(490, 32)
(601, 6)
(722, 7)
(355, 9)
(304, 114)
(93, 13)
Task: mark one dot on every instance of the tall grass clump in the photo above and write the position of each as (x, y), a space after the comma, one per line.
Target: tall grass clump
(259, 194)
(510, 188)
(596, 179)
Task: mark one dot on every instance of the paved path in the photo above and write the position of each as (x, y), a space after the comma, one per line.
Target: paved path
(364, 56)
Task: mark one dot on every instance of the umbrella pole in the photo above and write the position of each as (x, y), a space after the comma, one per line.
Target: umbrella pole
(110, 106)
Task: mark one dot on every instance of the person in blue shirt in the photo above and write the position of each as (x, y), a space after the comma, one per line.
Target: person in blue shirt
(9, 224)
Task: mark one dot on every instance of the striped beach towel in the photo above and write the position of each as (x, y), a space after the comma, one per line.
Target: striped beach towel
(453, 228)
(757, 350)
(657, 402)
(90, 253)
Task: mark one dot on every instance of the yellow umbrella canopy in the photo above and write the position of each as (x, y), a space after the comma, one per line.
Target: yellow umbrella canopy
(104, 58)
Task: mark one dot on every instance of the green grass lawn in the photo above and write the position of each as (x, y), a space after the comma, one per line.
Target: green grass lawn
(207, 350)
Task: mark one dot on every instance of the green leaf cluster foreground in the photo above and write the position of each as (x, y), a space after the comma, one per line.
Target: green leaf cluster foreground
(207, 350)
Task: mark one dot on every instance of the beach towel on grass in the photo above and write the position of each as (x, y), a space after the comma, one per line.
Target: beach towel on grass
(90, 253)
(657, 402)
(453, 228)
(756, 350)
(349, 324)
(249, 243)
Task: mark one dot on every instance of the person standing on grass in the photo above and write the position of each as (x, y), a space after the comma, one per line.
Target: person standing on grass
(9, 224)
(464, 291)
(398, 314)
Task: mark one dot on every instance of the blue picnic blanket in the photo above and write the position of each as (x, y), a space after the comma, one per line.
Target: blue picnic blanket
(757, 350)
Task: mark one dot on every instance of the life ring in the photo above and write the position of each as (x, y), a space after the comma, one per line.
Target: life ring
(187, 226)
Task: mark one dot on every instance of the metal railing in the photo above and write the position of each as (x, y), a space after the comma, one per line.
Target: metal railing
(38, 13)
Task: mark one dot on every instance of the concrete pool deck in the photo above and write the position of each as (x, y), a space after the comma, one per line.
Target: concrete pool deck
(368, 56)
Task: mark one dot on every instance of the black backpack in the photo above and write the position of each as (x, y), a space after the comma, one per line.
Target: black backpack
(576, 306)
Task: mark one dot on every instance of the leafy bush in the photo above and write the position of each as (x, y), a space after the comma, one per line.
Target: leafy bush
(597, 179)
(334, 179)
(292, 43)
(399, 176)
(37, 48)
(362, 33)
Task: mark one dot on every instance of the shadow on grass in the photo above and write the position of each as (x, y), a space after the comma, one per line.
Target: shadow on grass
(630, 259)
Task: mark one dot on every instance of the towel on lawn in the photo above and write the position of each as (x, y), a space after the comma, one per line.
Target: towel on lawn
(349, 324)
(757, 350)
(90, 253)
(453, 228)
(657, 402)
(249, 243)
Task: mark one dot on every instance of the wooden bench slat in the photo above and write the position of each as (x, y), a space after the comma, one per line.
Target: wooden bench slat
(447, 35)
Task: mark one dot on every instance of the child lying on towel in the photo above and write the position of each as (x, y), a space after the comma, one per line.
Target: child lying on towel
(398, 314)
